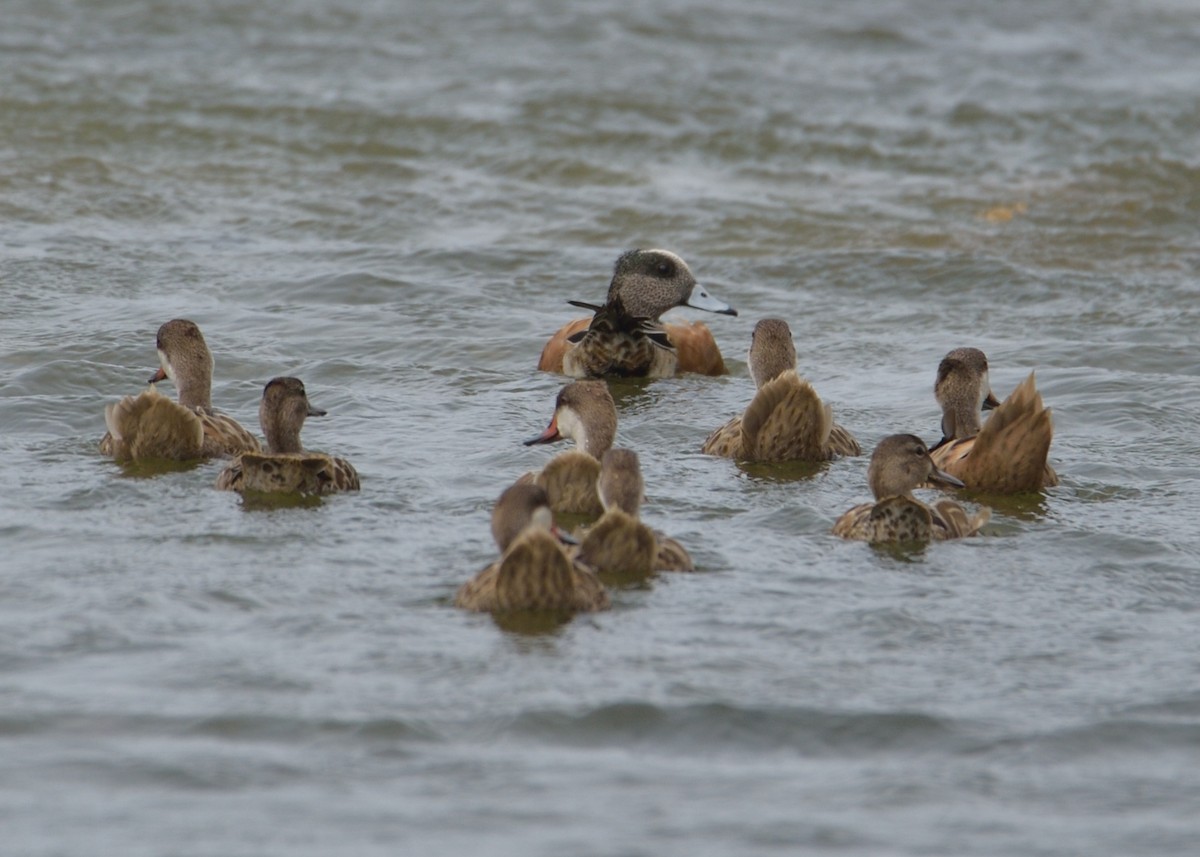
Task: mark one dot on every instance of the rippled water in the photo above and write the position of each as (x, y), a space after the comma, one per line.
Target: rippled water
(394, 201)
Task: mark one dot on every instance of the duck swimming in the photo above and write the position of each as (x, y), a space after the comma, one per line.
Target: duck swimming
(899, 464)
(286, 466)
(786, 420)
(1007, 454)
(619, 542)
(584, 411)
(150, 425)
(534, 571)
(625, 337)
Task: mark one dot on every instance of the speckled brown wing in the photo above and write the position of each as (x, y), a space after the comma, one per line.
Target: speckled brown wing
(300, 473)
(725, 441)
(223, 435)
(787, 421)
(1009, 455)
(952, 521)
(892, 519)
(619, 544)
(569, 480)
(534, 574)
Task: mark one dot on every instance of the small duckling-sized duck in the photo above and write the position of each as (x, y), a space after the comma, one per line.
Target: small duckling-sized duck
(584, 412)
(534, 571)
(786, 420)
(625, 337)
(899, 464)
(1007, 454)
(286, 466)
(619, 542)
(150, 425)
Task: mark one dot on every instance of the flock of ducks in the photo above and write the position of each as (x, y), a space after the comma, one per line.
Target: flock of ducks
(542, 568)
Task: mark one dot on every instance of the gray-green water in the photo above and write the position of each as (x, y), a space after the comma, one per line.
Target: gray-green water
(394, 201)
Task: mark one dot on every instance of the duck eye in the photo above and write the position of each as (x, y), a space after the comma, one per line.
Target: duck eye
(664, 268)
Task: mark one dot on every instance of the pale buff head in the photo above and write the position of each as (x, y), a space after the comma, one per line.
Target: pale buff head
(186, 360)
(585, 413)
(772, 350)
(963, 390)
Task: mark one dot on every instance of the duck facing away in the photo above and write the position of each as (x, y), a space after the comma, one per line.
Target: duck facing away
(534, 571)
(625, 337)
(619, 543)
(900, 463)
(150, 425)
(786, 420)
(1007, 454)
(584, 412)
(286, 466)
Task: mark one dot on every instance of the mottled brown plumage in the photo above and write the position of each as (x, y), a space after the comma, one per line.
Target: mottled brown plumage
(899, 464)
(287, 467)
(149, 425)
(786, 420)
(534, 571)
(625, 336)
(1009, 453)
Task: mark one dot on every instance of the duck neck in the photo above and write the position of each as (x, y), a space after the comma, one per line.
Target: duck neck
(282, 435)
(960, 419)
(195, 391)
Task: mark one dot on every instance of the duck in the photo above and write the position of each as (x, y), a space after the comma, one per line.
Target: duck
(584, 411)
(1007, 454)
(150, 425)
(286, 466)
(619, 542)
(900, 463)
(786, 420)
(625, 338)
(534, 571)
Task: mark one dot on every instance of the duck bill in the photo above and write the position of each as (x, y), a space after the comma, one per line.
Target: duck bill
(549, 435)
(941, 477)
(991, 401)
(701, 299)
(316, 412)
(160, 375)
(563, 536)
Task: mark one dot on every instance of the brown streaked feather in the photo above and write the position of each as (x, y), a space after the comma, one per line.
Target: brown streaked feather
(951, 521)
(290, 472)
(892, 519)
(149, 425)
(671, 555)
(223, 435)
(725, 441)
(1009, 454)
(534, 574)
(569, 480)
(619, 544)
(787, 421)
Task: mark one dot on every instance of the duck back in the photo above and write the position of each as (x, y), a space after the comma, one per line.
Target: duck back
(149, 425)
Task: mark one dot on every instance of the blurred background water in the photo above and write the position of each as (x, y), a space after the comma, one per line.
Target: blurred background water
(393, 201)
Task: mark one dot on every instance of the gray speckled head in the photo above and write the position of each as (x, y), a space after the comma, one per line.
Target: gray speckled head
(647, 283)
(900, 463)
(963, 390)
(520, 506)
(282, 411)
(186, 360)
(772, 350)
(620, 483)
